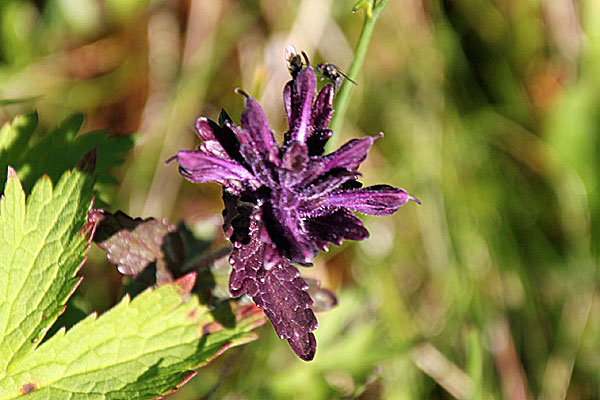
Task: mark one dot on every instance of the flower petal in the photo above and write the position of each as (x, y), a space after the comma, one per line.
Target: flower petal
(219, 140)
(198, 166)
(323, 109)
(317, 140)
(350, 155)
(298, 98)
(290, 239)
(256, 126)
(376, 200)
(237, 216)
(336, 228)
(325, 184)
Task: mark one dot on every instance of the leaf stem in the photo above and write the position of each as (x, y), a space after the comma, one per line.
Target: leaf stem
(372, 10)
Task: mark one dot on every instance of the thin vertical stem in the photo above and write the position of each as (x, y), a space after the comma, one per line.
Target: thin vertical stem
(343, 97)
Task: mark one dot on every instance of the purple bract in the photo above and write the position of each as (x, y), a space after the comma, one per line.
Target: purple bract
(284, 204)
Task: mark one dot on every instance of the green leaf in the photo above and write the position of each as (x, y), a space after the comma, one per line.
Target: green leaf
(42, 245)
(58, 150)
(140, 349)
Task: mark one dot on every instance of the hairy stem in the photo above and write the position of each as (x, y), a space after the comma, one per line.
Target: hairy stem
(343, 97)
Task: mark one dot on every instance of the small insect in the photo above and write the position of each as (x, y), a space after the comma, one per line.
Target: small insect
(333, 73)
(294, 60)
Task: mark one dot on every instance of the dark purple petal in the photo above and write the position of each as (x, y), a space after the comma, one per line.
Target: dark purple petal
(322, 109)
(325, 184)
(375, 200)
(219, 140)
(300, 104)
(336, 227)
(197, 166)
(263, 170)
(350, 155)
(257, 128)
(287, 101)
(290, 239)
(317, 140)
(236, 216)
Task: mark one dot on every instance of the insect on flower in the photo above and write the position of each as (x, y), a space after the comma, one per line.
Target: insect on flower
(294, 60)
(286, 203)
(333, 73)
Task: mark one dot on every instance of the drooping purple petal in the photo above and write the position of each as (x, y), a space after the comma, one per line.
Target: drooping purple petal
(300, 99)
(256, 126)
(282, 294)
(278, 291)
(336, 227)
(375, 200)
(198, 166)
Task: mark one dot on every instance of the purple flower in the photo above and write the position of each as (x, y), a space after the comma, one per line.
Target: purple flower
(284, 204)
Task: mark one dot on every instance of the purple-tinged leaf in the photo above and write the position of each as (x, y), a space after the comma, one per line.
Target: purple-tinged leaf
(246, 260)
(278, 290)
(134, 244)
(281, 293)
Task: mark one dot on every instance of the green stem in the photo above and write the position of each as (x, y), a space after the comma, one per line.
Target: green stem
(343, 97)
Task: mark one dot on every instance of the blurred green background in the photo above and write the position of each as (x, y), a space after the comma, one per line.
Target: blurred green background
(491, 114)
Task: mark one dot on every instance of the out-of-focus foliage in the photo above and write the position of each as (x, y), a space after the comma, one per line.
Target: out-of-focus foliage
(490, 114)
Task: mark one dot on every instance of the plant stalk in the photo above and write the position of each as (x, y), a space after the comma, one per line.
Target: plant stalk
(360, 51)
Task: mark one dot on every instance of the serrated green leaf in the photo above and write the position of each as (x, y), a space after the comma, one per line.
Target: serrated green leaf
(140, 349)
(42, 245)
(58, 150)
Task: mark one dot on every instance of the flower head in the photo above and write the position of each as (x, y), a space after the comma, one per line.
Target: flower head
(284, 204)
